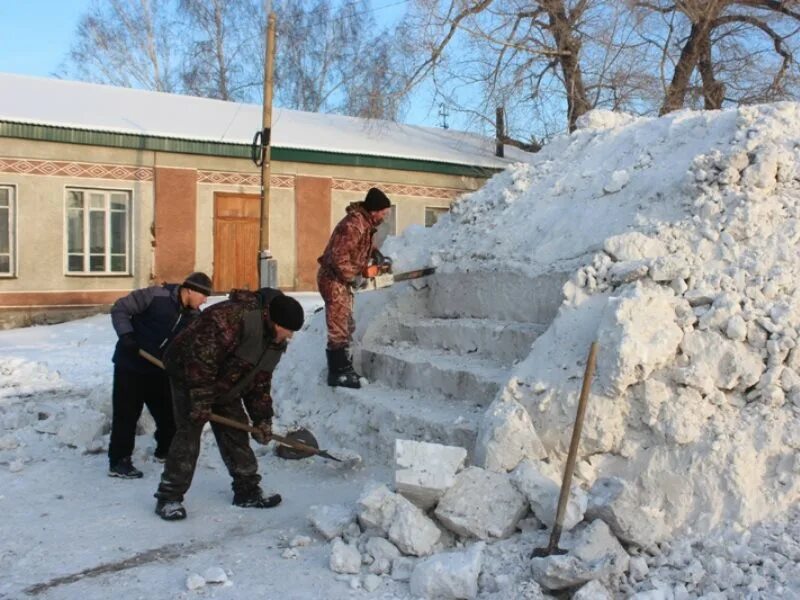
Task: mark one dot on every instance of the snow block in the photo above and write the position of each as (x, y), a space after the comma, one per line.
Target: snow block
(425, 471)
(79, 429)
(380, 548)
(595, 542)
(560, 571)
(505, 437)
(344, 558)
(594, 590)
(411, 530)
(331, 520)
(449, 575)
(376, 507)
(638, 334)
(402, 521)
(542, 492)
(614, 501)
(633, 246)
(482, 504)
(732, 365)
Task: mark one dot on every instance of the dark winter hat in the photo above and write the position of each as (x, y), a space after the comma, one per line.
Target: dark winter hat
(286, 312)
(376, 200)
(199, 282)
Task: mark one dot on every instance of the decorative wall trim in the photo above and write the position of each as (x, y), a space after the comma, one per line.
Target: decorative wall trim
(252, 179)
(54, 168)
(398, 189)
(344, 185)
(57, 168)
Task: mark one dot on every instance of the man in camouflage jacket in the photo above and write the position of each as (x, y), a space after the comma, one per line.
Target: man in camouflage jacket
(223, 363)
(346, 256)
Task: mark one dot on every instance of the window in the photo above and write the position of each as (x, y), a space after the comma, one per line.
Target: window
(7, 231)
(432, 214)
(98, 231)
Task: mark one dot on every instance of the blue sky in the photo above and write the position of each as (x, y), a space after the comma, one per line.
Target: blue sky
(37, 35)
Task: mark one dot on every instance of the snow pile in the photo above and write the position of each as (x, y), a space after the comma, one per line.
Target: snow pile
(678, 239)
(680, 234)
(468, 560)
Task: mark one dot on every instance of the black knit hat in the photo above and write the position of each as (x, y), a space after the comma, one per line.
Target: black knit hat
(199, 282)
(286, 312)
(376, 200)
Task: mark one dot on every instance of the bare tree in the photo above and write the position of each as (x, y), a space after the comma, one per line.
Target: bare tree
(224, 54)
(547, 61)
(736, 51)
(127, 43)
(334, 58)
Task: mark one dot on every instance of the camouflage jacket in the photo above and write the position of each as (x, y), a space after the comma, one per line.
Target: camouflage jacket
(350, 245)
(203, 357)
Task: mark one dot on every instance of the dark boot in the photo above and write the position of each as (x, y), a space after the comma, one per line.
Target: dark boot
(170, 510)
(256, 499)
(124, 469)
(340, 369)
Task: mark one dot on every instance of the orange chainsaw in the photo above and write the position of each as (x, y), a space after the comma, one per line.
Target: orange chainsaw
(378, 273)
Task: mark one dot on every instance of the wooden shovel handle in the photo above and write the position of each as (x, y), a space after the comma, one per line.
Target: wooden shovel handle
(569, 468)
(244, 426)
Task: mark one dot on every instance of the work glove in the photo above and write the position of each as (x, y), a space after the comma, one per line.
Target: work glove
(128, 344)
(263, 431)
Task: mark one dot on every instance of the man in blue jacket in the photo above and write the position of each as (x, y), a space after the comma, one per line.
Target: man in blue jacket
(147, 319)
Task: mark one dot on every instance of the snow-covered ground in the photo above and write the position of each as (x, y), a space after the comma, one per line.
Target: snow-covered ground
(63, 516)
(673, 242)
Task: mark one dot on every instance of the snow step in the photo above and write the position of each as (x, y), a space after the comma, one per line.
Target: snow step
(465, 377)
(502, 295)
(502, 341)
(378, 415)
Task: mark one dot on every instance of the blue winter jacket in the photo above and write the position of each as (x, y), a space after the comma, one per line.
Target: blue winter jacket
(154, 315)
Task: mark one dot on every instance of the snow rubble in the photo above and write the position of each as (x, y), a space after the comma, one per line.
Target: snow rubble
(673, 242)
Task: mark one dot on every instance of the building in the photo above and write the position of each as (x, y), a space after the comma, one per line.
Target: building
(105, 189)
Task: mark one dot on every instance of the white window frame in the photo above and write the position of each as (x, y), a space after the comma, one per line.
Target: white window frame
(440, 210)
(87, 254)
(12, 230)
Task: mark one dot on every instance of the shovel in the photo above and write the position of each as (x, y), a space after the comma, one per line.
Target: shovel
(244, 427)
(278, 438)
(555, 535)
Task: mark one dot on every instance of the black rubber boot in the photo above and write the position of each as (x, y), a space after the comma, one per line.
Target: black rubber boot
(340, 369)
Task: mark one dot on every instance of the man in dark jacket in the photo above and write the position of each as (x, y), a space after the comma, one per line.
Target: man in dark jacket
(346, 256)
(223, 359)
(147, 319)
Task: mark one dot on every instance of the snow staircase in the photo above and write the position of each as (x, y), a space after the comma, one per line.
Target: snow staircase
(438, 357)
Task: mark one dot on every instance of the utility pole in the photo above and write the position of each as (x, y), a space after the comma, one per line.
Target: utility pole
(500, 131)
(264, 254)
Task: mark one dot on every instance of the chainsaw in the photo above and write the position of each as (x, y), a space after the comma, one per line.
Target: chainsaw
(378, 275)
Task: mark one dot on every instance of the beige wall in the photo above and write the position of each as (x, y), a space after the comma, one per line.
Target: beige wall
(41, 236)
(40, 209)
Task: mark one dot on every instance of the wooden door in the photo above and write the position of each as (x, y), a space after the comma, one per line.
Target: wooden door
(236, 241)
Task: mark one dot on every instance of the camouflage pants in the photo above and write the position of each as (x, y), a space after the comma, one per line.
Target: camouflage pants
(338, 299)
(234, 447)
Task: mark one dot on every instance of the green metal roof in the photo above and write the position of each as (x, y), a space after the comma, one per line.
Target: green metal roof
(69, 135)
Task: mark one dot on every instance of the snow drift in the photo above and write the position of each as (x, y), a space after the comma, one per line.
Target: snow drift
(673, 242)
